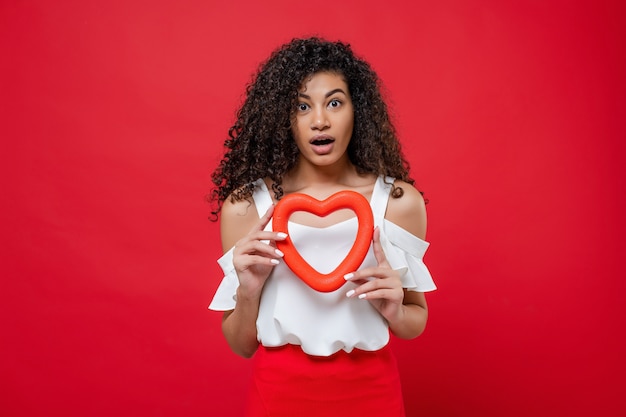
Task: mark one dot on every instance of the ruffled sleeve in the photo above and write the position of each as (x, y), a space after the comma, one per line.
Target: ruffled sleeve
(405, 252)
(225, 297)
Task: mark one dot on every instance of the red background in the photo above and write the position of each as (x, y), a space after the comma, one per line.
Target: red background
(113, 114)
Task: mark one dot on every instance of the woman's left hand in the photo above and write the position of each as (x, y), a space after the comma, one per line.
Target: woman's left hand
(385, 290)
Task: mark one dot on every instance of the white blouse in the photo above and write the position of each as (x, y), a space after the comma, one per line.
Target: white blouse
(291, 312)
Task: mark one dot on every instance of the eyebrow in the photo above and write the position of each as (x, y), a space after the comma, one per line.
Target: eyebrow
(330, 93)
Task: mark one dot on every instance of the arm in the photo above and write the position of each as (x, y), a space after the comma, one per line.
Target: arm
(253, 260)
(405, 311)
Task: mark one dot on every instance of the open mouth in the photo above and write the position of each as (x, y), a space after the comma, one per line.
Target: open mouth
(322, 140)
(322, 144)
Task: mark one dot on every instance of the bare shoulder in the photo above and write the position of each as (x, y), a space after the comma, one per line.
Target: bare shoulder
(408, 211)
(237, 218)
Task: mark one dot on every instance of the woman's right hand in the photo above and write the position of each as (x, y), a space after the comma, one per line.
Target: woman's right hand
(255, 255)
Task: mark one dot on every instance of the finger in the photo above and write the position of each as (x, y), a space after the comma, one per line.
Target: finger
(265, 219)
(380, 294)
(381, 282)
(259, 232)
(265, 235)
(372, 272)
(373, 290)
(378, 249)
(361, 281)
(255, 247)
(252, 260)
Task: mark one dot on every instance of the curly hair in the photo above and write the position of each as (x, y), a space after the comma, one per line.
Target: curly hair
(261, 144)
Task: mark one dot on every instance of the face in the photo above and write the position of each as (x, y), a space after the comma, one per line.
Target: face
(323, 120)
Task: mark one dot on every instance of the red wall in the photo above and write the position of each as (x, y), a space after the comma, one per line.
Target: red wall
(113, 114)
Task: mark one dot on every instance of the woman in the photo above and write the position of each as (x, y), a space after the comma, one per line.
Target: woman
(314, 122)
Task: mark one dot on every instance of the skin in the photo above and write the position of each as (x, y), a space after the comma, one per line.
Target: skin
(324, 111)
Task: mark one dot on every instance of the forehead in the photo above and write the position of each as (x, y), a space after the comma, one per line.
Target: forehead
(324, 80)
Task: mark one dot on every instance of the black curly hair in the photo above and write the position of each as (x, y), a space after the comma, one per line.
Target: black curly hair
(260, 143)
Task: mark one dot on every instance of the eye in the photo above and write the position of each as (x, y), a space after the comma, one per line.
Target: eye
(302, 107)
(334, 104)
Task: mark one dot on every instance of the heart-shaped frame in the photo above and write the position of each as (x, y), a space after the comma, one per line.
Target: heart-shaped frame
(341, 200)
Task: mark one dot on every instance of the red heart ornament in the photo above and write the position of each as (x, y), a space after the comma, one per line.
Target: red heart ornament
(341, 200)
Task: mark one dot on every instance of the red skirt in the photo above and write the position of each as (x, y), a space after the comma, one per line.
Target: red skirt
(287, 382)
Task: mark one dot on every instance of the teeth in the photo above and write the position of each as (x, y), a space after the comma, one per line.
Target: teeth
(322, 142)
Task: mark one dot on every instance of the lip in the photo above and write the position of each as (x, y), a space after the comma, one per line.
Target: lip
(322, 144)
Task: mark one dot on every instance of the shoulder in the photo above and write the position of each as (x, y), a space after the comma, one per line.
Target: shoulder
(237, 209)
(237, 218)
(408, 211)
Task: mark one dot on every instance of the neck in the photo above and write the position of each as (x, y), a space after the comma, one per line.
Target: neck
(334, 173)
(306, 175)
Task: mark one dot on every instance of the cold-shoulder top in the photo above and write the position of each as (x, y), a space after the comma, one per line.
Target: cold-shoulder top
(291, 312)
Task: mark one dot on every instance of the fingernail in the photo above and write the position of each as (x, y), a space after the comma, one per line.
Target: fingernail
(362, 296)
(281, 235)
(279, 253)
(350, 293)
(275, 261)
(348, 276)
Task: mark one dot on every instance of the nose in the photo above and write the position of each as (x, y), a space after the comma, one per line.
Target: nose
(319, 120)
